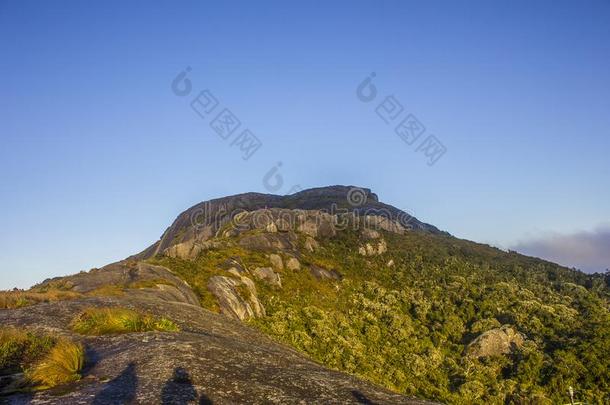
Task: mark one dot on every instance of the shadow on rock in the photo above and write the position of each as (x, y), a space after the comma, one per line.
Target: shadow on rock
(121, 389)
(179, 390)
(361, 398)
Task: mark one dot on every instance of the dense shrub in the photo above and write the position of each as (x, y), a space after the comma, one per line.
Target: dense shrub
(406, 327)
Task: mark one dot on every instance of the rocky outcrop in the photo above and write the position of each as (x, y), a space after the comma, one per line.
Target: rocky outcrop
(231, 302)
(270, 242)
(213, 359)
(495, 342)
(373, 249)
(191, 248)
(142, 278)
(211, 218)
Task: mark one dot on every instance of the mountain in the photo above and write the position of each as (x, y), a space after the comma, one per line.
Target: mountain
(213, 214)
(327, 295)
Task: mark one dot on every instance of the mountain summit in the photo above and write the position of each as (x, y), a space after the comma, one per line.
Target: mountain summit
(202, 221)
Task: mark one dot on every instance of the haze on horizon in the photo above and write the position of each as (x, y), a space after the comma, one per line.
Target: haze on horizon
(100, 153)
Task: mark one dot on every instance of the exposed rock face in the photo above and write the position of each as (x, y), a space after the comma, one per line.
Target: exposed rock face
(308, 222)
(212, 360)
(129, 274)
(269, 242)
(495, 342)
(191, 248)
(231, 303)
(205, 220)
(267, 274)
(322, 274)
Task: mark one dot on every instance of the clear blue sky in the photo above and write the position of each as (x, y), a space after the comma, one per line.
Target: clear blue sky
(98, 155)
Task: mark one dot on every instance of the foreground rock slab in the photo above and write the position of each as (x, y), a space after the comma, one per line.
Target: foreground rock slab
(212, 360)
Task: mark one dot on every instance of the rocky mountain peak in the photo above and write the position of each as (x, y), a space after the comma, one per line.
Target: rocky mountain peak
(202, 221)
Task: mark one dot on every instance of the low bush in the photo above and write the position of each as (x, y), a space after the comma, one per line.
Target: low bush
(111, 320)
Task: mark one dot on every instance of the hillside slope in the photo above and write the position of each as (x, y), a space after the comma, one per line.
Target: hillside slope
(364, 288)
(212, 359)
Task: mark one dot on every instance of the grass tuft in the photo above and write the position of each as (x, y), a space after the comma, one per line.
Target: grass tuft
(61, 365)
(113, 320)
(20, 349)
(47, 361)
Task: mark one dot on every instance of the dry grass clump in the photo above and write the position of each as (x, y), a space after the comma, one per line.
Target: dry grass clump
(60, 290)
(18, 299)
(47, 361)
(112, 320)
(61, 365)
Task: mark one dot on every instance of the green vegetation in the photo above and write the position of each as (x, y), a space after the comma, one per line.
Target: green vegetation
(406, 327)
(111, 320)
(20, 349)
(197, 272)
(46, 361)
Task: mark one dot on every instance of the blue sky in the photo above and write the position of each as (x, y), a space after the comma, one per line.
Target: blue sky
(98, 155)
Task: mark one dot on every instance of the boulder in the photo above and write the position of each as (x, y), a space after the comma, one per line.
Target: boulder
(293, 264)
(234, 263)
(495, 342)
(323, 274)
(373, 249)
(231, 303)
(276, 261)
(311, 244)
(191, 249)
(267, 274)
